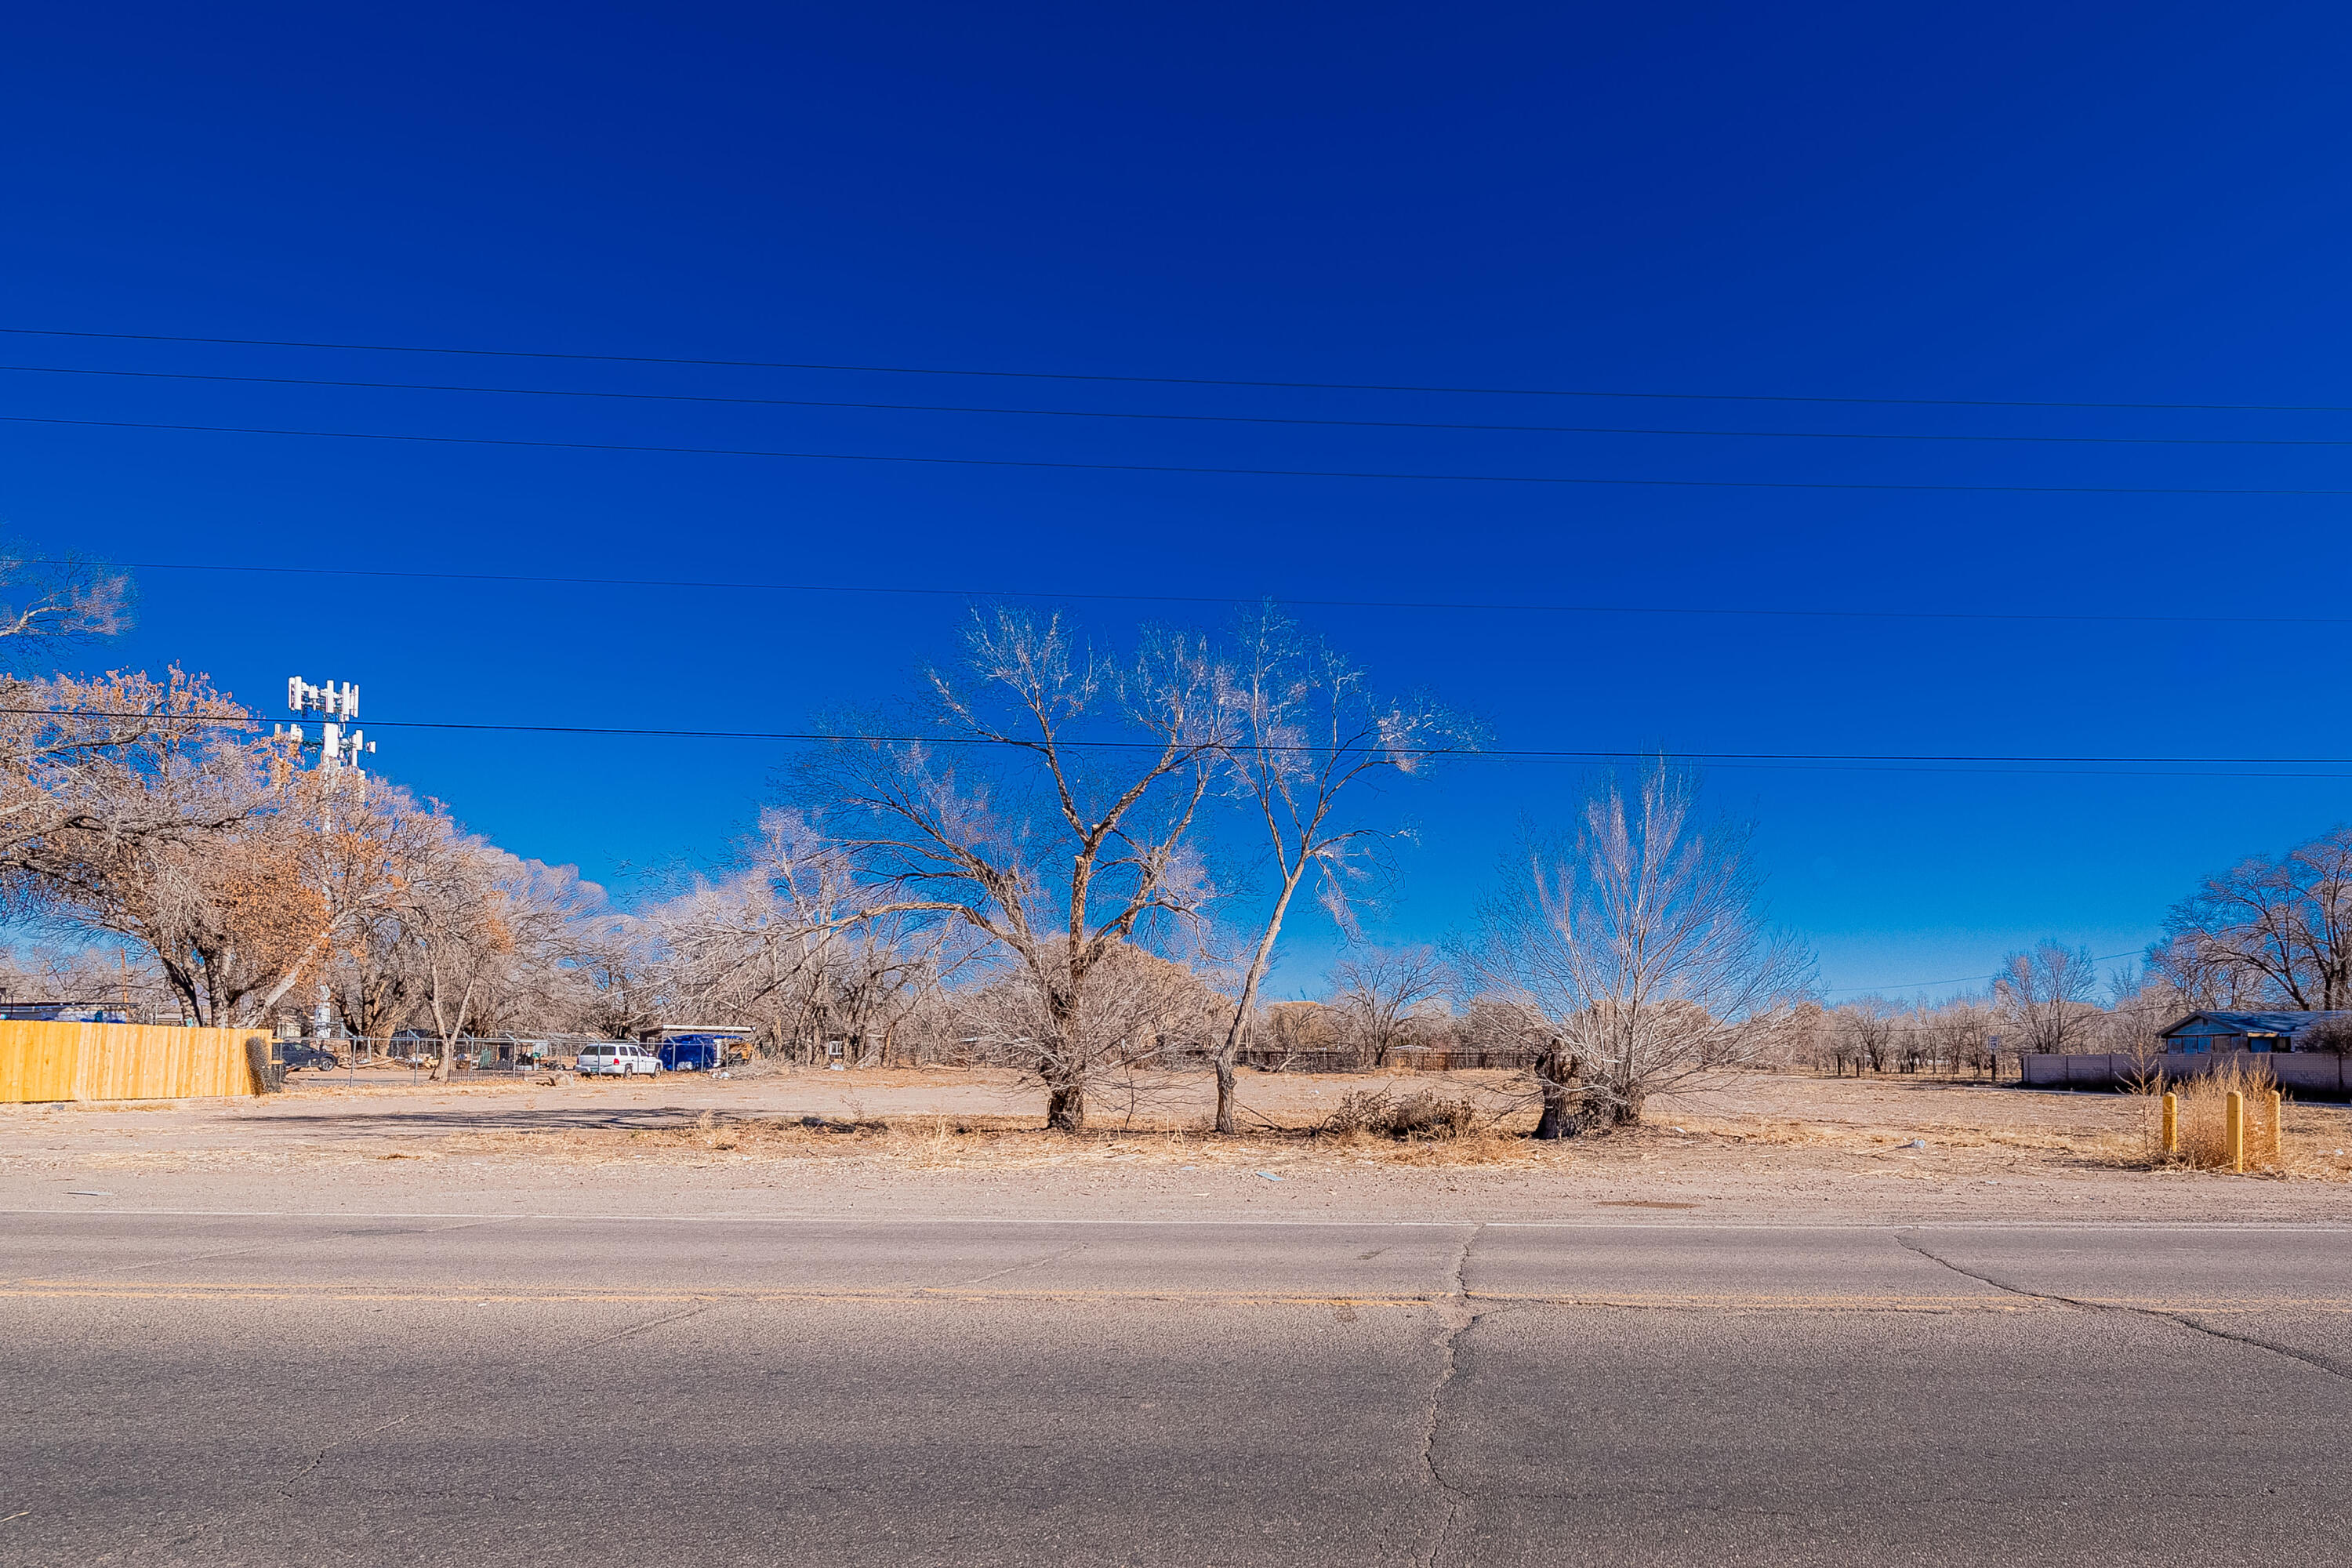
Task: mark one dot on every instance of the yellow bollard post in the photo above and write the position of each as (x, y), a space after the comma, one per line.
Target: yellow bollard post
(2172, 1124)
(2233, 1130)
(2278, 1128)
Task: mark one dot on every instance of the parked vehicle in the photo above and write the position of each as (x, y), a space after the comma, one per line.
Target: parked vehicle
(616, 1058)
(293, 1055)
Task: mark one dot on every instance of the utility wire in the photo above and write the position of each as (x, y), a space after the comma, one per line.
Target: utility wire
(1176, 418)
(1184, 469)
(1180, 379)
(1501, 754)
(1480, 606)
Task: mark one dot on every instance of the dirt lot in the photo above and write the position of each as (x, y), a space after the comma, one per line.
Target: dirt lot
(1763, 1146)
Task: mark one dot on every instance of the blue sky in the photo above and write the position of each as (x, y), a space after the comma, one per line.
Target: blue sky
(2048, 205)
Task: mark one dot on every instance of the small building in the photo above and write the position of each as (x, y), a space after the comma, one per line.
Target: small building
(2200, 1033)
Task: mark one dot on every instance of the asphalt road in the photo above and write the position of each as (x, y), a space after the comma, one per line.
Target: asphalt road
(414, 1389)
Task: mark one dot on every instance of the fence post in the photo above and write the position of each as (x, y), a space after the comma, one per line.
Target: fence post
(2233, 1130)
(2278, 1128)
(2171, 1123)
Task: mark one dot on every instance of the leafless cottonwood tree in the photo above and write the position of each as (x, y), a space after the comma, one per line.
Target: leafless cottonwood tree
(1379, 997)
(151, 810)
(457, 919)
(92, 768)
(1307, 725)
(2043, 997)
(52, 604)
(1640, 937)
(1051, 815)
(2267, 931)
(381, 842)
(782, 940)
(1867, 1032)
(1960, 1033)
(1141, 1019)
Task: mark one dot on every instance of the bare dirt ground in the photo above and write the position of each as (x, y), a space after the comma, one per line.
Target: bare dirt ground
(1760, 1146)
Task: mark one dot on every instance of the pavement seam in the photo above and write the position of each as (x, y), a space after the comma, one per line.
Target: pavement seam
(2180, 1319)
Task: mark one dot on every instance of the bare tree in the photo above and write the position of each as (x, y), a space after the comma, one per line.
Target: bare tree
(1379, 997)
(150, 811)
(782, 940)
(457, 921)
(1053, 816)
(383, 844)
(2043, 997)
(1960, 1033)
(1139, 1020)
(1867, 1031)
(91, 769)
(2140, 1006)
(1295, 1027)
(1310, 725)
(1640, 936)
(2267, 931)
(52, 603)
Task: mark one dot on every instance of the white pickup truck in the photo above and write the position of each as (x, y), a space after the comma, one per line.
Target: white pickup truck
(616, 1058)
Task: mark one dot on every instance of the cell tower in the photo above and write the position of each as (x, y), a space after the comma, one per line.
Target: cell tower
(339, 745)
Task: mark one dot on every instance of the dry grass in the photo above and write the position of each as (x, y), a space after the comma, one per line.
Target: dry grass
(2273, 1148)
(1749, 1132)
(1401, 1133)
(1419, 1128)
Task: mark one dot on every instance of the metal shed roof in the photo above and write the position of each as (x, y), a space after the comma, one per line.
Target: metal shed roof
(2276, 1023)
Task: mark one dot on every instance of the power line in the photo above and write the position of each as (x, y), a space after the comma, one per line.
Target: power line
(1479, 606)
(1176, 418)
(1827, 759)
(1181, 380)
(1178, 468)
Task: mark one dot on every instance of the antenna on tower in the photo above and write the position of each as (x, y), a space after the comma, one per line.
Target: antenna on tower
(339, 745)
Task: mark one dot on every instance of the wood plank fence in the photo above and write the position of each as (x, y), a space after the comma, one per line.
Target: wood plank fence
(122, 1061)
(1267, 1059)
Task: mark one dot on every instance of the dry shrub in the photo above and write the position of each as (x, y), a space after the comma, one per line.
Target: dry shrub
(1420, 1117)
(2204, 1128)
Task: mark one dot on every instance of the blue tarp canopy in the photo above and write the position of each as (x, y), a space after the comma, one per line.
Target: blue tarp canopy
(694, 1053)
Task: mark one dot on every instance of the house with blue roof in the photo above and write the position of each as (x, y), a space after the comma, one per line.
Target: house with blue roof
(2273, 1031)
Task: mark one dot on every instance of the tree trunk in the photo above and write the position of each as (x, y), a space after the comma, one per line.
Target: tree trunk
(1562, 1102)
(1260, 961)
(1065, 1104)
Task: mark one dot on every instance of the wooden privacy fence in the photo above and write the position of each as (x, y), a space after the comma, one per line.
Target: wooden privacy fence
(122, 1061)
(1269, 1060)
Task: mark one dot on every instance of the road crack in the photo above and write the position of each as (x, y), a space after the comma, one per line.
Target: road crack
(1010, 1268)
(1454, 1311)
(2180, 1319)
(694, 1312)
(321, 1457)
